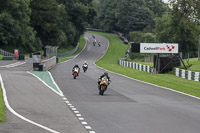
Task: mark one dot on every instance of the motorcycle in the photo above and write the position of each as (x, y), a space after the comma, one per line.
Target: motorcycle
(85, 67)
(103, 85)
(99, 44)
(75, 72)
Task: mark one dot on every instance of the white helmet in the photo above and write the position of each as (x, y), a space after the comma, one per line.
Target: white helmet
(85, 62)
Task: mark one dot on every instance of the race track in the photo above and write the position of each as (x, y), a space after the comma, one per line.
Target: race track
(128, 106)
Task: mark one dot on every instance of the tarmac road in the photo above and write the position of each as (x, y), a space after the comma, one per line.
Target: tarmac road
(128, 106)
(31, 99)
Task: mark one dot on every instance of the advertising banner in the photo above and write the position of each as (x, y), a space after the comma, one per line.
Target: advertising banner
(16, 51)
(159, 48)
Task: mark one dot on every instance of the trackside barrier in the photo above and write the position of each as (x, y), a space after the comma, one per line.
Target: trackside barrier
(49, 63)
(136, 66)
(69, 52)
(5, 53)
(189, 75)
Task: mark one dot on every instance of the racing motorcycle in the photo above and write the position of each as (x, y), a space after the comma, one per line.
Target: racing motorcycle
(75, 72)
(103, 85)
(85, 67)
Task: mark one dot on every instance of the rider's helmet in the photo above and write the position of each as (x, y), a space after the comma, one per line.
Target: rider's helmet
(105, 74)
(76, 65)
(85, 62)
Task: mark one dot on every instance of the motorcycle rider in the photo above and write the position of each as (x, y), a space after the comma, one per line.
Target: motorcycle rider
(85, 64)
(100, 78)
(99, 44)
(93, 36)
(94, 42)
(76, 66)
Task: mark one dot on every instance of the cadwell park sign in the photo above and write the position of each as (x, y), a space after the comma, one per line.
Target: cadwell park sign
(158, 48)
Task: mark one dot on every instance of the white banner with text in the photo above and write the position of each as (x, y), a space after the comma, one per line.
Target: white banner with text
(158, 48)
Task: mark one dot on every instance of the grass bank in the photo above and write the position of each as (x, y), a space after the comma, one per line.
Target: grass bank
(1, 57)
(2, 108)
(195, 64)
(81, 46)
(117, 49)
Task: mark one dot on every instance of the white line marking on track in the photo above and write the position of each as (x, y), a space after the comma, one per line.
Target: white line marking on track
(79, 115)
(18, 115)
(76, 112)
(88, 127)
(92, 132)
(59, 93)
(67, 102)
(14, 64)
(84, 123)
(81, 118)
(73, 108)
(64, 98)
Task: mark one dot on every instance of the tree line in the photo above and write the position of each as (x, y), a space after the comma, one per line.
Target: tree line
(152, 20)
(29, 25)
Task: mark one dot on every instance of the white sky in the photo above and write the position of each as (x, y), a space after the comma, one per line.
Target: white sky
(165, 1)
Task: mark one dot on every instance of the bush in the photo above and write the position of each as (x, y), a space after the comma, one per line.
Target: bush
(137, 36)
(149, 38)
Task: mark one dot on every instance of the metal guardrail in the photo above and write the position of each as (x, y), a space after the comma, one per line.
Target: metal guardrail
(69, 52)
(5, 53)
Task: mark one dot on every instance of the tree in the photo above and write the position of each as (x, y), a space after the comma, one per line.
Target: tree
(45, 19)
(184, 28)
(129, 15)
(133, 16)
(15, 29)
(163, 28)
(107, 14)
(80, 13)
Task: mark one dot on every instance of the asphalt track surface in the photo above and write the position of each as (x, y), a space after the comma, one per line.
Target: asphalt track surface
(128, 106)
(31, 99)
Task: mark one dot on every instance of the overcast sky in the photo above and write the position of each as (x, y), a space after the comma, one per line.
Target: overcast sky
(165, 1)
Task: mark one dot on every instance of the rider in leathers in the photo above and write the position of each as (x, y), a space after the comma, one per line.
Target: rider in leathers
(100, 78)
(76, 66)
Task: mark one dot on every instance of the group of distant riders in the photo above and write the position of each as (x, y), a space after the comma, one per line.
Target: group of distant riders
(95, 41)
(103, 80)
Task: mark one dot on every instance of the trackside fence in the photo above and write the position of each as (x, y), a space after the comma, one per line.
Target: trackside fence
(189, 75)
(69, 52)
(5, 53)
(136, 66)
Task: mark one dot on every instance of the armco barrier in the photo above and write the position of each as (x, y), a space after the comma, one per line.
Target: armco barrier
(134, 65)
(189, 75)
(49, 63)
(69, 52)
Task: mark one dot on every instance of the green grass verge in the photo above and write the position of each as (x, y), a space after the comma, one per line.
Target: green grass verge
(2, 108)
(195, 64)
(117, 49)
(81, 46)
(1, 57)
